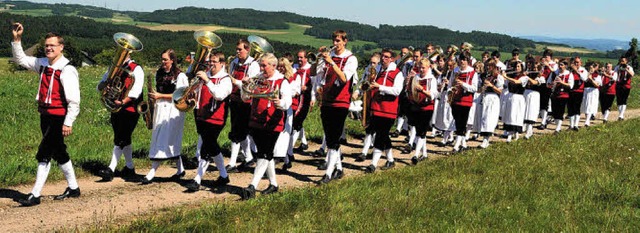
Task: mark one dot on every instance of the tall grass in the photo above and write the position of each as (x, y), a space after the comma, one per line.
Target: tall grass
(575, 181)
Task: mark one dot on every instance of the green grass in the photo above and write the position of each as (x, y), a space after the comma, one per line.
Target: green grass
(32, 12)
(576, 182)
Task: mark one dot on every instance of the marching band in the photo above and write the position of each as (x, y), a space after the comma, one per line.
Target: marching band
(448, 93)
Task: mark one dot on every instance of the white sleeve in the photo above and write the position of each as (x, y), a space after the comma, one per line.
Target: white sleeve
(524, 80)
(598, 80)
(182, 81)
(221, 90)
(295, 86)
(394, 90)
(138, 82)
(28, 62)
(571, 82)
(350, 67)
(254, 69)
(70, 82)
(434, 88)
(285, 95)
(473, 87)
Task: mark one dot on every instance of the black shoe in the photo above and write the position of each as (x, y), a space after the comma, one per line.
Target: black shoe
(231, 169)
(394, 134)
(604, 121)
(271, 189)
(248, 193)
(361, 158)
(178, 176)
(407, 149)
(192, 186)
(325, 180)
(320, 152)
(128, 172)
(343, 141)
(542, 126)
(388, 165)
(221, 181)
(247, 164)
(145, 181)
(286, 166)
(31, 200)
(370, 169)
(414, 160)
(106, 174)
(404, 132)
(292, 158)
(322, 166)
(303, 147)
(68, 193)
(620, 119)
(406, 140)
(575, 128)
(593, 117)
(337, 174)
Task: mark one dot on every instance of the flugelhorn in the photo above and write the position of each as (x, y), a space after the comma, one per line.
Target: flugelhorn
(184, 98)
(114, 86)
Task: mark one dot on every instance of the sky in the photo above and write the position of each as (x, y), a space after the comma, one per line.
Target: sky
(602, 19)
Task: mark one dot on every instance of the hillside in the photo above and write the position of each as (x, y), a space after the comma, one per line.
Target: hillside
(383, 35)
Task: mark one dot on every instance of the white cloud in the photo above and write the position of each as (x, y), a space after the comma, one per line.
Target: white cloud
(597, 20)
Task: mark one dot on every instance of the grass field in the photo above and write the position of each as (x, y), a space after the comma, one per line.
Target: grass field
(573, 182)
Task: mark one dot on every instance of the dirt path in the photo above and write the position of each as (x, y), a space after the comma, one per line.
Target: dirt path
(119, 202)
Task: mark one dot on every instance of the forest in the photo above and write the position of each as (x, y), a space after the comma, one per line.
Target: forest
(95, 39)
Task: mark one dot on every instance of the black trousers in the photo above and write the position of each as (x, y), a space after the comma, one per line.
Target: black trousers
(240, 113)
(123, 124)
(381, 127)
(545, 94)
(265, 142)
(422, 121)
(575, 101)
(622, 94)
(209, 134)
(332, 124)
(606, 101)
(557, 107)
(298, 119)
(52, 145)
(460, 115)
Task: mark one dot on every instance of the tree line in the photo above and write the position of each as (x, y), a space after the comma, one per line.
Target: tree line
(96, 39)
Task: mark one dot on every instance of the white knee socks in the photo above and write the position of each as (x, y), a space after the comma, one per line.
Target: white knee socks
(115, 156)
(128, 156)
(41, 178)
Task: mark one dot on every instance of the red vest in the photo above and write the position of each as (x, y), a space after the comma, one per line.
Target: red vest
(332, 95)
(624, 79)
(608, 87)
(51, 98)
(422, 104)
(385, 105)
(128, 84)
(210, 110)
(264, 114)
(304, 76)
(578, 84)
(563, 92)
(239, 72)
(464, 98)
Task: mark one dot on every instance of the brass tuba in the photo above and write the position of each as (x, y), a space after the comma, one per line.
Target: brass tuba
(114, 88)
(404, 59)
(259, 46)
(184, 98)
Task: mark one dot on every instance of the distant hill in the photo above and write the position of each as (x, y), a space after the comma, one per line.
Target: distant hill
(384, 35)
(597, 44)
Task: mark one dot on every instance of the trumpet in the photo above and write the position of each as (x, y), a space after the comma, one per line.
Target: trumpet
(313, 57)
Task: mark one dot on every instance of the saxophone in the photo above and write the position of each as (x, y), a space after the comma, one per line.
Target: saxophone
(151, 103)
